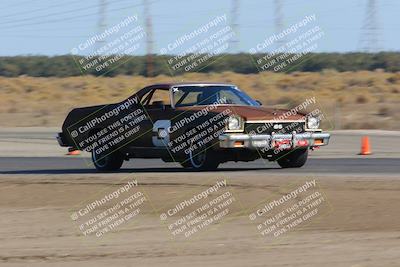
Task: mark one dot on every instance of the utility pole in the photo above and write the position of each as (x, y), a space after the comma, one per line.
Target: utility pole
(149, 39)
(370, 31)
(278, 7)
(101, 25)
(234, 42)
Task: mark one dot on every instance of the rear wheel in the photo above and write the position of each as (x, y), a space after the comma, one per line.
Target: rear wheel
(108, 162)
(294, 159)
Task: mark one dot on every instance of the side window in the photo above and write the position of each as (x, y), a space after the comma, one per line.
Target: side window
(145, 98)
(229, 97)
(160, 95)
(152, 99)
(187, 99)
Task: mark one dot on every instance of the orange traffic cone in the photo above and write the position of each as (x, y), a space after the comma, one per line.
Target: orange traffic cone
(73, 152)
(365, 146)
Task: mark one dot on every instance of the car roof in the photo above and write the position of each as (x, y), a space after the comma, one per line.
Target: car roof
(163, 85)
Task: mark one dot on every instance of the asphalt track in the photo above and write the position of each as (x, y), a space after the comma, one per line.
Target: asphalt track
(63, 165)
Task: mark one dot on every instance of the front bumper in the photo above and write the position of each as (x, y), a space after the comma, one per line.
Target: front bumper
(274, 141)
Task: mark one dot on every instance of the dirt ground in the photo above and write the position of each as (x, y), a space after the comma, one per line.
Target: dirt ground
(357, 226)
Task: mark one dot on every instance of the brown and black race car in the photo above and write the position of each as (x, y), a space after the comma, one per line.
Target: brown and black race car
(198, 125)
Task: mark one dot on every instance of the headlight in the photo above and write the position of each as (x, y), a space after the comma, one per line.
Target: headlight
(312, 123)
(234, 123)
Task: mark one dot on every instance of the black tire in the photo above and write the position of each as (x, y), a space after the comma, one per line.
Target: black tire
(201, 160)
(110, 162)
(186, 164)
(294, 159)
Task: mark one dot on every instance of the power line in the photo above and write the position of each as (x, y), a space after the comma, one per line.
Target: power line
(18, 4)
(54, 14)
(70, 18)
(38, 9)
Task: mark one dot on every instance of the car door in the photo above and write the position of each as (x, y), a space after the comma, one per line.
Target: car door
(159, 110)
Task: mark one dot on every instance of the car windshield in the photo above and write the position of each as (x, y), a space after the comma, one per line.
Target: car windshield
(207, 95)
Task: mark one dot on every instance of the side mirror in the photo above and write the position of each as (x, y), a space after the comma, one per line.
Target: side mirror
(259, 102)
(159, 104)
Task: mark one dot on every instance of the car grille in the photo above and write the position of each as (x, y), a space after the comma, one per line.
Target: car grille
(277, 127)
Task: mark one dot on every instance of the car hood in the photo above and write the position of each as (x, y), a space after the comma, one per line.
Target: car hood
(255, 113)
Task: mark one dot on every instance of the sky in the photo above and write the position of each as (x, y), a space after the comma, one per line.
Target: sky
(55, 27)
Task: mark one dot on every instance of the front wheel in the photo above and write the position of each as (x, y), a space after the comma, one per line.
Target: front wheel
(294, 159)
(201, 160)
(109, 162)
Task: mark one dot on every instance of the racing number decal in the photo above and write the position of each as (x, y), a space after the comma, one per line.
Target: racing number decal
(160, 136)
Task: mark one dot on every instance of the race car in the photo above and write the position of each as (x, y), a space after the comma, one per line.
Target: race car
(198, 125)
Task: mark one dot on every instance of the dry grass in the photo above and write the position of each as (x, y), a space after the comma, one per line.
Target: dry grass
(349, 100)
